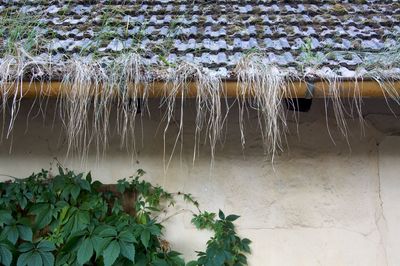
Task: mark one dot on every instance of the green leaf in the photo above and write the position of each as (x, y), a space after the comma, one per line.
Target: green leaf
(44, 214)
(83, 217)
(111, 253)
(24, 258)
(127, 236)
(11, 233)
(25, 247)
(61, 170)
(221, 215)
(159, 262)
(23, 202)
(48, 258)
(89, 177)
(155, 230)
(72, 244)
(107, 231)
(192, 263)
(63, 258)
(5, 217)
(85, 251)
(127, 250)
(232, 217)
(45, 246)
(6, 255)
(35, 259)
(145, 237)
(75, 190)
(246, 241)
(98, 244)
(85, 185)
(25, 232)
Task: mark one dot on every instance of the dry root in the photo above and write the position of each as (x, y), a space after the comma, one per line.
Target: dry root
(91, 89)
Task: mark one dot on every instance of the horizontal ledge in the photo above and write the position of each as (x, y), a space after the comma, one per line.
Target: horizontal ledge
(321, 89)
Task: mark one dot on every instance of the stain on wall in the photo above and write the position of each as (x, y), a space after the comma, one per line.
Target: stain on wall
(326, 200)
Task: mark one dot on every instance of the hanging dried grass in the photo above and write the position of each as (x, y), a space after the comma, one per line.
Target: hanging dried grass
(267, 85)
(92, 88)
(13, 72)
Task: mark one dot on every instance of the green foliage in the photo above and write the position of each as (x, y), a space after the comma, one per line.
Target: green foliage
(225, 247)
(68, 219)
(19, 30)
(309, 57)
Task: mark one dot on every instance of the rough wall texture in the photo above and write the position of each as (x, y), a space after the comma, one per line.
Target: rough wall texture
(320, 203)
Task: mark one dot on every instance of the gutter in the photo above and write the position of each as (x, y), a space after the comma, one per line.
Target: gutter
(298, 89)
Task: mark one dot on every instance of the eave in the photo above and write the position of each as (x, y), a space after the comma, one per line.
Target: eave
(230, 88)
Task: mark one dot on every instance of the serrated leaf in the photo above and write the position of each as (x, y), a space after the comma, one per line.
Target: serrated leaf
(85, 251)
(111, 253)
(127, 250)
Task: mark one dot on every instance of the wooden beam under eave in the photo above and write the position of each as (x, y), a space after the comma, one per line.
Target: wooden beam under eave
(322, 89)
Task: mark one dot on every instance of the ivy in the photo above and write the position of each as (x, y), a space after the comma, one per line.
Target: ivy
(69, 219)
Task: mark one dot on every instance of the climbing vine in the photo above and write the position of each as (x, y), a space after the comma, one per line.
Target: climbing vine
(69, 219)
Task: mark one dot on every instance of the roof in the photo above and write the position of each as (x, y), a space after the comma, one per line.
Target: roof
(306, 38)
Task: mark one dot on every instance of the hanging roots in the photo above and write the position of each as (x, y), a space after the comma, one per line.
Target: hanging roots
(91, 88)
(267, 85)
(209, 93)
(13, 71)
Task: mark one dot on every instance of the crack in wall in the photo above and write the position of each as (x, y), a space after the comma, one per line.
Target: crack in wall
(380, 219)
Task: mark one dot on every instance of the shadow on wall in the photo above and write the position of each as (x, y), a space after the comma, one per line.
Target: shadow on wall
(321, 191)
(39, 133)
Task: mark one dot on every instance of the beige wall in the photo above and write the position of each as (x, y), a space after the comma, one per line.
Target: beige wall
(320, 203)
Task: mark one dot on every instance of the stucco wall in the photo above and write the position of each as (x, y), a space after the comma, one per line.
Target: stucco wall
(320, 203)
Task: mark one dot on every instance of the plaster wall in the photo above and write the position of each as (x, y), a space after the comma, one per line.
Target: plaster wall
(324, 201)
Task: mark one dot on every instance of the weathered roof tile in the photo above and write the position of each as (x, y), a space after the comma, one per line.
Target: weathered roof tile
(213, 33)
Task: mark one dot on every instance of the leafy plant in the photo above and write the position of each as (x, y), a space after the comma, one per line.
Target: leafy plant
(225, 247)
(69, 219)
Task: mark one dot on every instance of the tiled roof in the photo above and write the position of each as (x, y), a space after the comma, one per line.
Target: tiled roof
(346, 37)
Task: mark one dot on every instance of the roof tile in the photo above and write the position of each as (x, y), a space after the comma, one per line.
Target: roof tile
(214, 33)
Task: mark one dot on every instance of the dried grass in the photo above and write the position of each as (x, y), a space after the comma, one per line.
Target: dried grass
(92, 88)
(267, 85)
